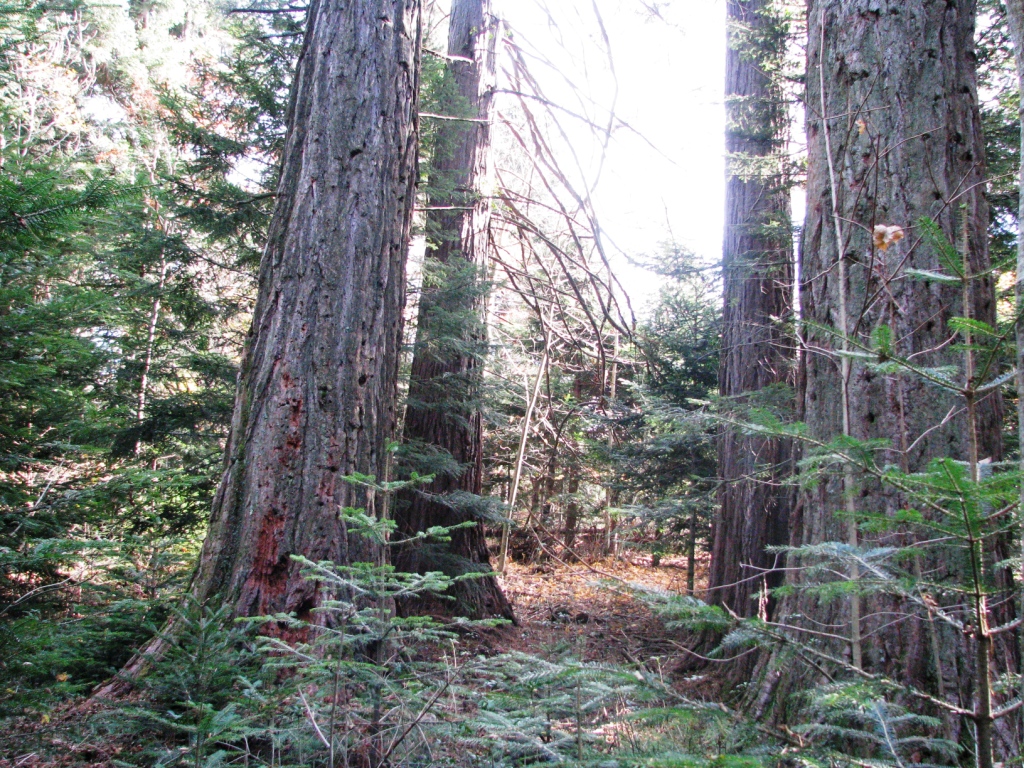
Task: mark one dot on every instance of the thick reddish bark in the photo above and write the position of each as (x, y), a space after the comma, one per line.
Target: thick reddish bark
(316, 392)
(443, 410)
(757, 352)
(316, 397)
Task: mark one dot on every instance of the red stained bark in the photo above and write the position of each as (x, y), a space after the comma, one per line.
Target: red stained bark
(316, 394)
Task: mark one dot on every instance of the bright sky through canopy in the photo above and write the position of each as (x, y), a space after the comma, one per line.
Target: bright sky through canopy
(665, 179)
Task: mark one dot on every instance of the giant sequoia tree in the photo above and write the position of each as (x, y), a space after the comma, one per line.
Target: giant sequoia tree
(757, 287)
(894, 136)
(316, 393)
(443, 411)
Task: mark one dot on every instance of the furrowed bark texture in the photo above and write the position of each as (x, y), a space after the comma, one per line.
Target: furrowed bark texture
(902, 113)
(757, 268)
(316, 394)
(1015, 19)
(443, 410)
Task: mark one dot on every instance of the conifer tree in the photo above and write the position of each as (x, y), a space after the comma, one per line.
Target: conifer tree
(894, 136)
(443, 413)
(116, 358)
(316, 397)
(757, 270)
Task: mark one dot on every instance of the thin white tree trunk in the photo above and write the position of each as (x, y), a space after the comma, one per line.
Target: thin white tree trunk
(531, 405)
(147, 362)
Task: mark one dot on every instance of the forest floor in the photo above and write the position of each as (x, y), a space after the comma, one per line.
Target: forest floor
(558, 606)
(557, 602)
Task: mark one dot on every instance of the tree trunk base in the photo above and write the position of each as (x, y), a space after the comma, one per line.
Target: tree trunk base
(122, 683)
(477, 598)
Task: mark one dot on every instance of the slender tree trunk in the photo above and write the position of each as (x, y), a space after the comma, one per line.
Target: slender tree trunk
(691, 553)
(757, 268)
(531, 403)
(147, 361)
(1015, 17)
(894, 135)
(451, 343)
(611, 494)
(572, 512)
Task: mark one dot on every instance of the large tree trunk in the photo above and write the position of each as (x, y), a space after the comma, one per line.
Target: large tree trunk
(444, 410)
(891, 90)
(757, 268)
(317, 386)
(316, 397)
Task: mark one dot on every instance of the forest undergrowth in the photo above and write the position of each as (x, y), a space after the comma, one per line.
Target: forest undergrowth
(590, 611)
